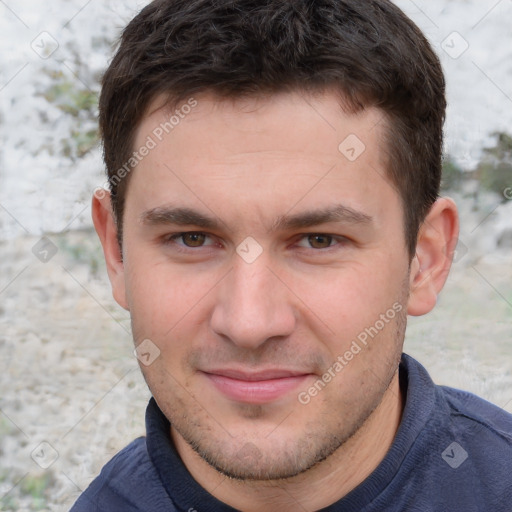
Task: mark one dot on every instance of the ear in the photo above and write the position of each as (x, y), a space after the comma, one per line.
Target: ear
(437, 239)
(106, 228)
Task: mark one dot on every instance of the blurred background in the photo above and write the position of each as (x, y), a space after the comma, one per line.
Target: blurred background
(71, 393)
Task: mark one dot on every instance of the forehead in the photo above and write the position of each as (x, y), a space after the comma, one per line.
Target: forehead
(282, 148)
(326, 111)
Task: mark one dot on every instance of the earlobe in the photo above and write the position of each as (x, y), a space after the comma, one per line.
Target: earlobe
(431, 264)
(106, 228)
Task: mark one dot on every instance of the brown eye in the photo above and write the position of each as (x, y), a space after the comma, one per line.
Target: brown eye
(320, 241)
(193, 239)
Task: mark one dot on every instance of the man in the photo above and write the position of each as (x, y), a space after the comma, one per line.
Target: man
(273, 218)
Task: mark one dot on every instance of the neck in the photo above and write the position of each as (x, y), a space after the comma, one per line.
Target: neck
(322, 485)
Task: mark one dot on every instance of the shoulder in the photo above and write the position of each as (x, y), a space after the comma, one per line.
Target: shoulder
(476, 450)
(475, 413)
(127, 483)
(455, 449)
(451, 410)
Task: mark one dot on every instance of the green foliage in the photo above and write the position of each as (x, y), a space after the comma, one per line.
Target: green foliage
(35, 486)
(85, 251)
(8, 503)
(80, 103)
(80, 143)
(71, 99)
(495, 170)
(5, 428)
(31, 487)
(453, 175)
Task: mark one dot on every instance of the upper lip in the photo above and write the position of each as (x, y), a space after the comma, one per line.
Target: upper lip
(253, 376)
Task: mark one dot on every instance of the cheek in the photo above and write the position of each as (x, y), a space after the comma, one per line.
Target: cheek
(348, 300)
(156, 299)
(166, 302)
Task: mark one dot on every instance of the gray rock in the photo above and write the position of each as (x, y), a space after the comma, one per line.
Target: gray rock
(505, 239)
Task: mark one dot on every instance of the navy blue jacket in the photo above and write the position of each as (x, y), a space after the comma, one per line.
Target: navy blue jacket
(452, 453)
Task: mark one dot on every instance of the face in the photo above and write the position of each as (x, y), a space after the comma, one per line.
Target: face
(258, 254)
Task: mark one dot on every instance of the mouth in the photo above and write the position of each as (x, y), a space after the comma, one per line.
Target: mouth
(255, 387)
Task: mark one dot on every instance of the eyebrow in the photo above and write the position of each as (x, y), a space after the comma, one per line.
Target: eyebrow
(336, 213)
(179, 216)
(188, 217)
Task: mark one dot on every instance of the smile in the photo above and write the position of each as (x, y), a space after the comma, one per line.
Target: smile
(255, 388)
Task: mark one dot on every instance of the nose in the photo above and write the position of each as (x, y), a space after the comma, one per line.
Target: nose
(253, 305)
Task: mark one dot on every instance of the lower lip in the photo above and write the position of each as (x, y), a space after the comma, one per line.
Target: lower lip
(255, 392)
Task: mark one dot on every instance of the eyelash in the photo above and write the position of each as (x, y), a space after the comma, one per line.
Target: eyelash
(171, 240)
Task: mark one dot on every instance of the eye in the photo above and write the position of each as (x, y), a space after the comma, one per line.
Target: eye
(317, 241)
(193, 239)
(190, 239)
(320, 241)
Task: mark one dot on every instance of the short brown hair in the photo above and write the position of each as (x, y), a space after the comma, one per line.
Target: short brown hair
(368, 50)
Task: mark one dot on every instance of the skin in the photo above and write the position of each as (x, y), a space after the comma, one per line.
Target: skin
(298, 306)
